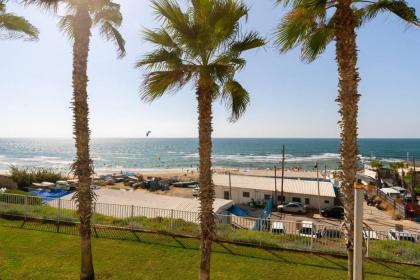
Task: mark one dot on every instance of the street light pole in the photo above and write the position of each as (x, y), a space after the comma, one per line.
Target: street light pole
(275, 200)
(319, 195)
(358, 232)
(282, 176)
(230, 187)
(413, 183)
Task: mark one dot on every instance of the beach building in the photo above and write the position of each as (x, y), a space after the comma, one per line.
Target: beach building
(124, 204)
(247, 188)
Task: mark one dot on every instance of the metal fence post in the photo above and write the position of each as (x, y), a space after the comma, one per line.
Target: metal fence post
(172, 219)
(94, 213)
(25, 208)
(312, 238)
(367, 244)
(132, 217)
(58, 215)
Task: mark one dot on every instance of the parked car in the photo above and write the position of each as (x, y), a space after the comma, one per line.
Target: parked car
(277, 227)
(292, 207)
(333, 212)
(307, 229)
(330, 233)
(400, 189)
(401, 235)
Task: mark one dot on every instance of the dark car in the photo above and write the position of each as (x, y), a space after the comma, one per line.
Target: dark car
(333, 212)
(330, 233)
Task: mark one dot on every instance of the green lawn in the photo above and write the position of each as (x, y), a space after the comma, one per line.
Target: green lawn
(41, 254)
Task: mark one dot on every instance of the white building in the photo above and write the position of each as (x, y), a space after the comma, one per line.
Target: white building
(246, 188)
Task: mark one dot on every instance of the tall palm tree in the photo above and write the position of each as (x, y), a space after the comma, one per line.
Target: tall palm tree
(312, 25)
(81, 17)
(201, 45)
(13, 26)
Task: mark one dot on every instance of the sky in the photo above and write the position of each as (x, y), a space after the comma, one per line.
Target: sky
(288, 98)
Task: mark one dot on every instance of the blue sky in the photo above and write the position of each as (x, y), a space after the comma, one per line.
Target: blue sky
(289, 98)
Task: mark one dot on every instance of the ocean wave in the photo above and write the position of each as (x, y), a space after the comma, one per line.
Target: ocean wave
(269, 158)
(311, 158)
(46, 161)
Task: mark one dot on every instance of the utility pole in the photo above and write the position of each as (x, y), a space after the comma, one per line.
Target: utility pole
(325, 174)
(413, 179)
(275, 200)
(282, 176)
(317, 182)
(230, 187)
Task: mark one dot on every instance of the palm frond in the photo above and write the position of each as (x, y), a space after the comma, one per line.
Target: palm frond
(249, 41)
(108, 14)
(66, 24)
(398, 7)
(316, 42)
(294, 28)
(17, 27)
(160, 59)
(51, 5)
(110, 33)
(236, 99)
(157, 83)
(222, 20)
(160, 37)
(170, 12)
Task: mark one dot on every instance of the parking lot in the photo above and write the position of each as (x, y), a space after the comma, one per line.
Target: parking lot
(378, 220)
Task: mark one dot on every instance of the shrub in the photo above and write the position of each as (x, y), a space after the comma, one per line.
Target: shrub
(25, 177)
(6, 182)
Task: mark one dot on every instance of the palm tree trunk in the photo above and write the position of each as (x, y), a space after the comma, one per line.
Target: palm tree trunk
(348, 98)
(83, 164)
(204, 98)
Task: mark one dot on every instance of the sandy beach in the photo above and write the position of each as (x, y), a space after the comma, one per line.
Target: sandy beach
(191, 173)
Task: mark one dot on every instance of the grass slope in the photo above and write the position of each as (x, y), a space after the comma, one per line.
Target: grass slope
(35, 254)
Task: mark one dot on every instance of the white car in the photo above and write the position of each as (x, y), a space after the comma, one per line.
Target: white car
(292, 207)
(401, 235)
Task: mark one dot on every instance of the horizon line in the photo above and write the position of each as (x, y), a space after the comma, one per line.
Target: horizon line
(196, 137)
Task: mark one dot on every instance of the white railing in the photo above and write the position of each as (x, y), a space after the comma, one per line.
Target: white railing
(399, 207)
(272, 233)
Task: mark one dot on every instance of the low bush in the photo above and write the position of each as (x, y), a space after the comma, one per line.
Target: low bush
(25, 177)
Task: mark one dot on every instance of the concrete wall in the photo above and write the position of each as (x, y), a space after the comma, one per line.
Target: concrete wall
(258, 195)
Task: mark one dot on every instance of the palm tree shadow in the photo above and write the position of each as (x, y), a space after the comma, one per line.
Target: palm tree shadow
(338, 265)
(158, 239)
(399, 271)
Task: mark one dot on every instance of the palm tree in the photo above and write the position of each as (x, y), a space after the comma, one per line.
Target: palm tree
(377, 165)
(201, 45)
(81, 16)
(13, 26)
(312, 25)
(396, 166)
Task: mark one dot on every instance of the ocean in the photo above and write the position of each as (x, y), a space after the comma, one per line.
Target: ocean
(152, 153)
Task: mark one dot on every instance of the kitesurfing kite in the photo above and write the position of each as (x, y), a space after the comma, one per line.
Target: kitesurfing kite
(148, 133)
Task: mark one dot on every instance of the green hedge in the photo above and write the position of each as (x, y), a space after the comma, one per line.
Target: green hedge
(25, 177)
